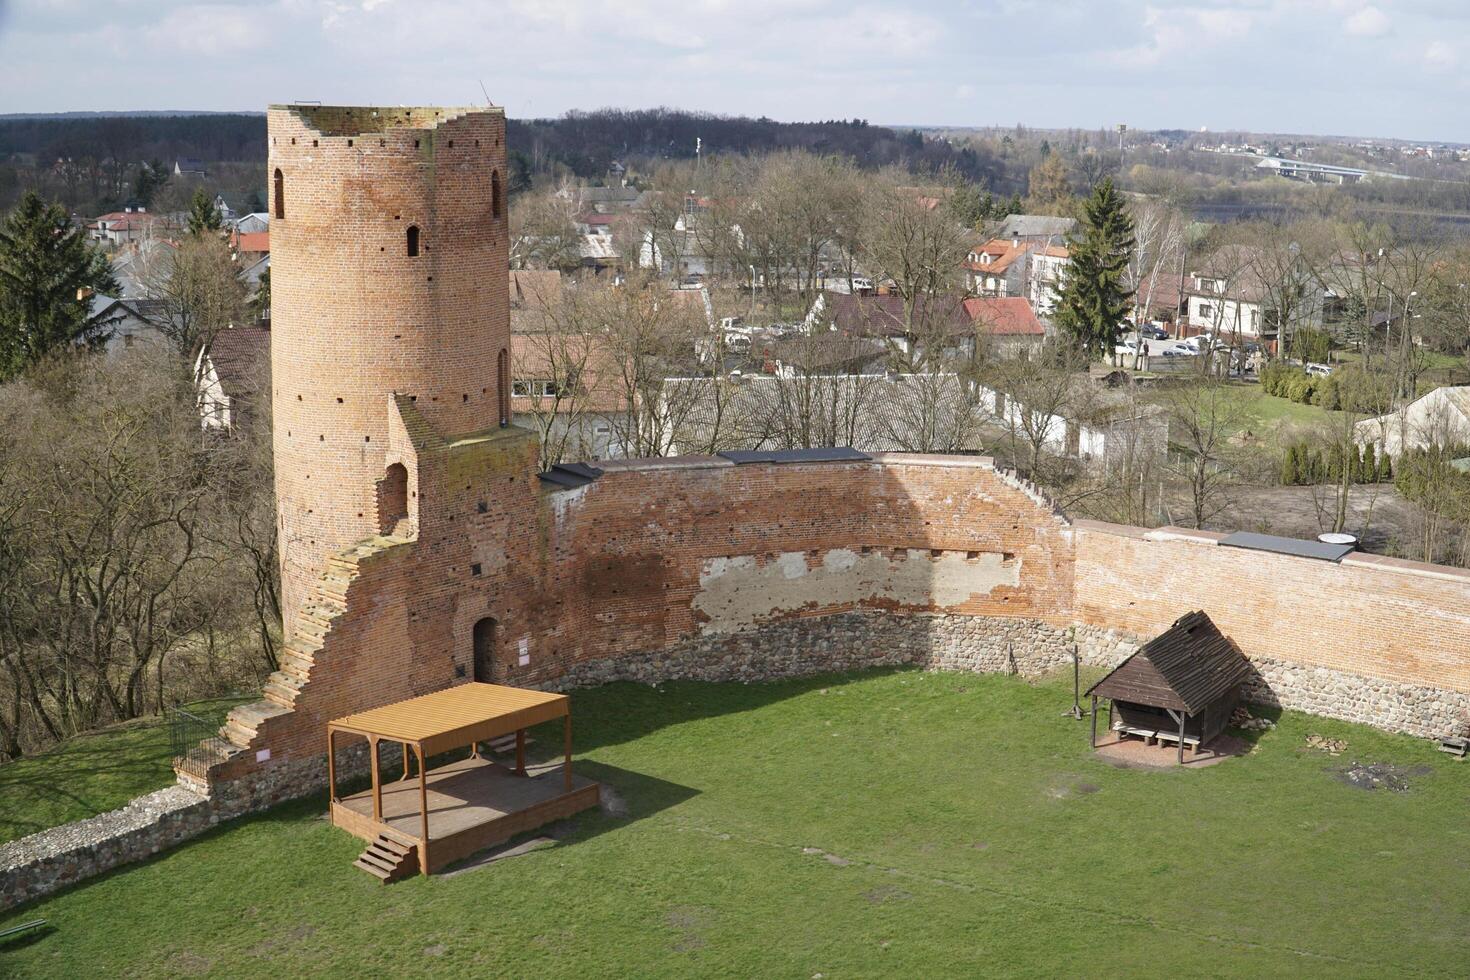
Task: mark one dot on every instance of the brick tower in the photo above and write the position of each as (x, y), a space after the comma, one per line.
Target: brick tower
(389, 276)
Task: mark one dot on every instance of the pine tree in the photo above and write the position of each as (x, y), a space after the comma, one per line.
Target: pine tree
(48, 273)
(1095, 298)
(203, 215)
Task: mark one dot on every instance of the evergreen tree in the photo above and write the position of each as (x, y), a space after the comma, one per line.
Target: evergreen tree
(149, 181)
(203, 216)
(48, 271)
(1095, 298)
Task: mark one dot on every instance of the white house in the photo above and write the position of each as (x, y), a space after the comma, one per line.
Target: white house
(1046, 276)
(1440, 418)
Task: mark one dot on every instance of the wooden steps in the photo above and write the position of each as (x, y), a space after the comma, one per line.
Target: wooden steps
(388, 860)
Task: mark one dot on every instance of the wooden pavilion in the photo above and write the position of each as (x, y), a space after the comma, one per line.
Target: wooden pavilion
(1182, 686)
(461, 807)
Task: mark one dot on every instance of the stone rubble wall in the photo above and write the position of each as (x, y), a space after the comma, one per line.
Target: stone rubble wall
(53, 859)
(50, 860)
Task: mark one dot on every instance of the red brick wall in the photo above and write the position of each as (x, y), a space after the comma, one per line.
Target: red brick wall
(1376, 617)
(614, 568)
(356, 319)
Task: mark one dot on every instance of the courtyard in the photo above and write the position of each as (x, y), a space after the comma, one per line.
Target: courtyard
(892, 822)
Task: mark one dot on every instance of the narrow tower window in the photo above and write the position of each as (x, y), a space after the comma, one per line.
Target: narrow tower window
(413, 241)
(495, 207)
(280, 194)
(502, 380)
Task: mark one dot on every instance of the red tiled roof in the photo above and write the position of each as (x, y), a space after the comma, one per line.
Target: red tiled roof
(251, 241)
(1009, 316)
(1005, 254)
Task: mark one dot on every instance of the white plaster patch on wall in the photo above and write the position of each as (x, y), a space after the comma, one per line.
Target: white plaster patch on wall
(741, 591)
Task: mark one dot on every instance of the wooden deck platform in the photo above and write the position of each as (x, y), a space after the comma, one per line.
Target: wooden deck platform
(473, 804)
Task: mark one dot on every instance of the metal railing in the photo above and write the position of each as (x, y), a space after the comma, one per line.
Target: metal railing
(195, 742)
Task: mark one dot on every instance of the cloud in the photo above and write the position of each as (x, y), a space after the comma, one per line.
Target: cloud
(1368, 22)
(1441, 56)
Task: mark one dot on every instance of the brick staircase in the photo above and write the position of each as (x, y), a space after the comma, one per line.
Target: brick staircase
(327, 601)
(389, 860)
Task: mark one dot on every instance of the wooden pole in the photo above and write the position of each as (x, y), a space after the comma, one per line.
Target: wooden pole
(1094, 721)
(377, 784)
(418, 750)
(520, 751)
(566, 766)
(403, 746)
(1182, 716)
(331, 767)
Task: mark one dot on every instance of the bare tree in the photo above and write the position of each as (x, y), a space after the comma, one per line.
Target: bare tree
(1202, 417)
(196, 291)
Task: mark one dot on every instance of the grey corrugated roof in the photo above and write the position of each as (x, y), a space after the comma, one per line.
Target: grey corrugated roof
(1034, 226)
(1187, 667)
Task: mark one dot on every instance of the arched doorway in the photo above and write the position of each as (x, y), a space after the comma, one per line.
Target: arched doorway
(485, 650)
(392, 498)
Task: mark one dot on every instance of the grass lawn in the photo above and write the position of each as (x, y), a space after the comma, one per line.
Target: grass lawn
(90, 774)
(894, 823)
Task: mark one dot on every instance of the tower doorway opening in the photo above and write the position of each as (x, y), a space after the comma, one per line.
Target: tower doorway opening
(392, 498)
(485, 650)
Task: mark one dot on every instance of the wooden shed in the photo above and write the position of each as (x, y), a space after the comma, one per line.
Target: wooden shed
(1182, 686)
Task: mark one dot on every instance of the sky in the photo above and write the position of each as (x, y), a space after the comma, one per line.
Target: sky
(1340, 67)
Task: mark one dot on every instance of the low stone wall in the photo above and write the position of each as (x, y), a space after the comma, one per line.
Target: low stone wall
(1408, 708)
(42, 863)
(860, 640)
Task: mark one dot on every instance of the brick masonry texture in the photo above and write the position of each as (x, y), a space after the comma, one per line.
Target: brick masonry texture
(356, 318)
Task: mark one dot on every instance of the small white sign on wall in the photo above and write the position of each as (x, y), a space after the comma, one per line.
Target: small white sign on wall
(263, 755)
(525, 652)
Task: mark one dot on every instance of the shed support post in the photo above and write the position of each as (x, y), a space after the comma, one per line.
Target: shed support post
(1094, 721)
(331, 768)
(377, 782)
(520, 751)
(1183, 715)
(566, 766)
(418, 751)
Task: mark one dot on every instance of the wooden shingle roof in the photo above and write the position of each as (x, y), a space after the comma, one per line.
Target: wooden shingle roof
(1187, 667)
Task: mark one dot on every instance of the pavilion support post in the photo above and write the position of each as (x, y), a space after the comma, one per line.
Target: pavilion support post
(1094, 721)
(377, 780)
(404, 747)
(331, 767)
(566, 766)
(520, 751)
(418, 751)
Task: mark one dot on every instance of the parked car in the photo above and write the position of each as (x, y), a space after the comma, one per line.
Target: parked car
(1154, 332)
(1319, 370)
(1180, 350)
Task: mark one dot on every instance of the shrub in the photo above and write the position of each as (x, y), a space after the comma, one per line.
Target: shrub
(1291, 474)
(1325, 393)
(1311, 345)
(1369, 472)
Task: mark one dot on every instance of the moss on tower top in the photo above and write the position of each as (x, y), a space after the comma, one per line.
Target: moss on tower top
(342, 120)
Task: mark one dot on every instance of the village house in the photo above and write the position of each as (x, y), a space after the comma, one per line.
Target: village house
(231, 372)
(117, 228)
(1046, 277)
(1439, 419)
(1227, 296)
(998, 267)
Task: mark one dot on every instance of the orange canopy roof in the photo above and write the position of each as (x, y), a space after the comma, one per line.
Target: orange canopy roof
(457, 716)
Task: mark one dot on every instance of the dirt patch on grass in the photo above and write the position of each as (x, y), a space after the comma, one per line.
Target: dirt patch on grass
(1379, 775)
(690, 921)
(1135, 753)
(886, 893)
